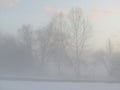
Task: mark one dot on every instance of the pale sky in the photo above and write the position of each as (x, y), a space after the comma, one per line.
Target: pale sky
(104, 16)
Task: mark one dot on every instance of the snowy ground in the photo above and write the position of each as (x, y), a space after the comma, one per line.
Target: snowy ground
(27, 85)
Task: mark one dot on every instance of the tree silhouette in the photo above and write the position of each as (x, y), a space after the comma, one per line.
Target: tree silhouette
(81, 29)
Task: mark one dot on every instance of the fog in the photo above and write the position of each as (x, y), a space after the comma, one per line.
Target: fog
(61, 50)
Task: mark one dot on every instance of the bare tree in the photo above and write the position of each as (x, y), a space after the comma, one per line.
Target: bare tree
(81, 29)
(43, 40)
(51, 41)
(113, 61)
(59, 40)
(26, 42)
(109, 56)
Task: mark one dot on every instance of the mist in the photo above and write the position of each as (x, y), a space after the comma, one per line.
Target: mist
(61, 50)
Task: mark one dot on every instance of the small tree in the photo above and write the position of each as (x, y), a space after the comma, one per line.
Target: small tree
(113, 62)
(26, 43)
(109, 56)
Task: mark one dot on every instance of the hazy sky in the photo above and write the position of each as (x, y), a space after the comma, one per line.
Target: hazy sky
(104, 16)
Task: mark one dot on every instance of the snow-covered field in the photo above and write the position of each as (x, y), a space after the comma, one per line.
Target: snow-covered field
(27, 85)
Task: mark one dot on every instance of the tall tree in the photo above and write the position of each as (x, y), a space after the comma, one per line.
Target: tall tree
(43, 40)
(52, 40)
(59, 43)
(81, 29)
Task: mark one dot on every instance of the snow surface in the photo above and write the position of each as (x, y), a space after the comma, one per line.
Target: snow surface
(27, 85)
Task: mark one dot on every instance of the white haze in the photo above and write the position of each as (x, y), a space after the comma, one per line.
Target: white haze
(59, 51)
